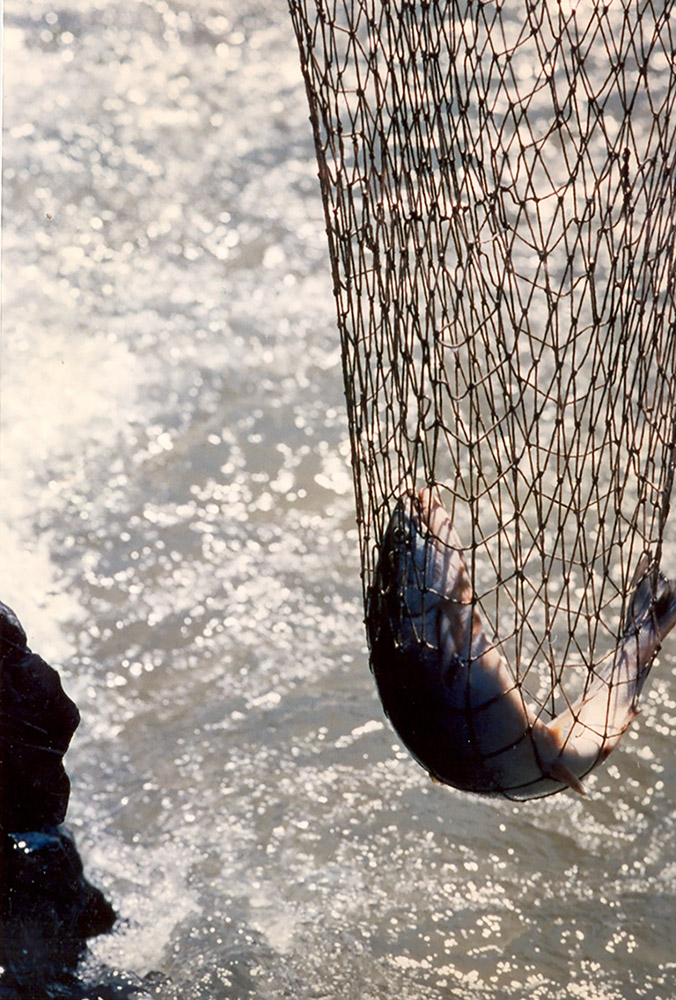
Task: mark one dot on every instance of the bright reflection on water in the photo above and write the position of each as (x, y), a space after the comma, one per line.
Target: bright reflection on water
(177, 532)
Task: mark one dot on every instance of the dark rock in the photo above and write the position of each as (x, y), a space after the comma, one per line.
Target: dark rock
(37, 721)
(11, 630)
(47, 907)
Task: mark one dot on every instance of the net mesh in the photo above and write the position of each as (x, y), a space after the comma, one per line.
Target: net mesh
(498, 182)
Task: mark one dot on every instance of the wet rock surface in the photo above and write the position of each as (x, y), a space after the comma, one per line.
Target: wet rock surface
(47, 907)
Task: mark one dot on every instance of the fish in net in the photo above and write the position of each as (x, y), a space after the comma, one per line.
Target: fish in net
(498, 182)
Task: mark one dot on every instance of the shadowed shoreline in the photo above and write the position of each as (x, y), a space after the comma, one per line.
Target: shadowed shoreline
(48, 909)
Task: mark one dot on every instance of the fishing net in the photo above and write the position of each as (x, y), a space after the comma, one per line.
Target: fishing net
(499, 190)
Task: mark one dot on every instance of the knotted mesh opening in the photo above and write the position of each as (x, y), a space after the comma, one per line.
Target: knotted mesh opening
(499, 188)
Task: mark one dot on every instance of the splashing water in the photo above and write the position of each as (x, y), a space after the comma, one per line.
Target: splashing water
(177, 529)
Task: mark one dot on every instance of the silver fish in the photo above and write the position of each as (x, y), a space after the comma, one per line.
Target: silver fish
(451, 696)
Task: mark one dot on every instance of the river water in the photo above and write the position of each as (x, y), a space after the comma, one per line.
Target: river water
(177, 530)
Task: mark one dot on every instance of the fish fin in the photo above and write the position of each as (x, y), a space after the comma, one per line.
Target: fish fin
(560, 772)
(665, 606)
(641, 571)
(639, 605)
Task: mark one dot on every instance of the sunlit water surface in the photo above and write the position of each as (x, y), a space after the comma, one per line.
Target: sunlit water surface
(177, 535)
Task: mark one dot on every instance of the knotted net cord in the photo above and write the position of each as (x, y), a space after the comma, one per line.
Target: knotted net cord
(499, 184)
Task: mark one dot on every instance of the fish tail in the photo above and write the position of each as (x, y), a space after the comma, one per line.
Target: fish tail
(652, 604)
